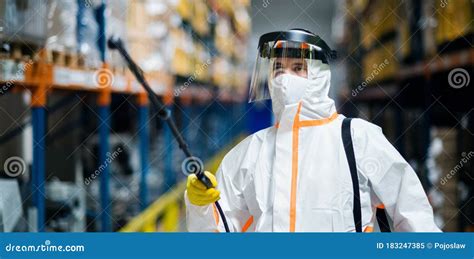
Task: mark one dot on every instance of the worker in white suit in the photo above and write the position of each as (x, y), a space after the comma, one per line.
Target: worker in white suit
(296, 176)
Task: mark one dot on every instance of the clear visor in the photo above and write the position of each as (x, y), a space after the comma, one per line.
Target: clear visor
(278, 58)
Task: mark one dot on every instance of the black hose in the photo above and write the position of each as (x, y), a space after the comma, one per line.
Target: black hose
(164, 114)
(221, 212)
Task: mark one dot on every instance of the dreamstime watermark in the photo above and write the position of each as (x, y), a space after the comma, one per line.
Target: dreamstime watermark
(458, 78)
(108, 160)
(46, 247)
(14, 166)
(18, 75)
(192, 78)
(266, 3)
(465, 158)
(192, 165)
(370, 165)
(377, 69)
(88, 3)
(443, 3)
(103, 78)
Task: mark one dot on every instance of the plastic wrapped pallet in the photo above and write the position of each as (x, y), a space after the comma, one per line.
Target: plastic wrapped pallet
(380, 64)
(378, 21)
(444, 164)
(221, 69)
(454, 19)
(199, 20)
(148, 44)
(184, 8)
(184, 48)
(224, 37)
(24, 21)
(87, 33)
(241, 19)
(116, 17)
(202, 62)
(61, 34)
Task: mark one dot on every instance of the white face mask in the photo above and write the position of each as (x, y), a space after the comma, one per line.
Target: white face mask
(288, 89)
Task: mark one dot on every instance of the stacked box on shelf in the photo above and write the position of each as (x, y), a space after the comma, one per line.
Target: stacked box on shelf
(147, 26)
(61, 33)
(87, 32)
(356, 7)
(454, 21)
(139, 42)
(116, 22)
(184, 9)
(72, 43)
(202, 62)
(222, 72)
(61, 42)
(224, 37)
(241, 18)
(230, 39)
(186, 48)
(378, 22)
(24, 21)
(380, 64)
(199, 20)
(23, 32)
(201, 44)
(390, 34)
(378, 31)
(223, 40)
(240, 77)
(182, 63)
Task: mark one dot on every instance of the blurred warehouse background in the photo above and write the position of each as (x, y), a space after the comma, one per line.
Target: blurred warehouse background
(81, 150)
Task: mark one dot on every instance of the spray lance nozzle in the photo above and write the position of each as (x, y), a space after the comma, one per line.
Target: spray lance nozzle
(164, 113)
(115, 43)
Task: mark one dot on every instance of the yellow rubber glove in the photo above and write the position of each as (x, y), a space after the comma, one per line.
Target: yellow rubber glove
(197, 192)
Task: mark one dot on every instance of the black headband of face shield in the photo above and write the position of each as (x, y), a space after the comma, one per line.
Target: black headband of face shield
(297, 35)
(294, 53)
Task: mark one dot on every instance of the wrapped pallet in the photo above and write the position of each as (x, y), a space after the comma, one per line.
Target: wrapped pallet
(454, 19)
(87, 33)
(444, 170)
(224, 37)
(199, 20)
(182, 64)
(116, 17)
(23, 21)
(378, 22)
(149, 45)
(61, 34)
(380, 64)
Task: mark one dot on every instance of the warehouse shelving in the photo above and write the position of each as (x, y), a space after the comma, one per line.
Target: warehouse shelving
(425, 69)
(40, 81)
(54, 72)
(440, 63)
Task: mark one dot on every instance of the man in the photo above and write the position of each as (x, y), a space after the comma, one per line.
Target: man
(296, 175)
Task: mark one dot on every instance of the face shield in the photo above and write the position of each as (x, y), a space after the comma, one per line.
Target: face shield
(289, 52)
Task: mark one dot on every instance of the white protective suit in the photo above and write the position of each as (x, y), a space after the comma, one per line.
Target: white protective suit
(294, 177)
